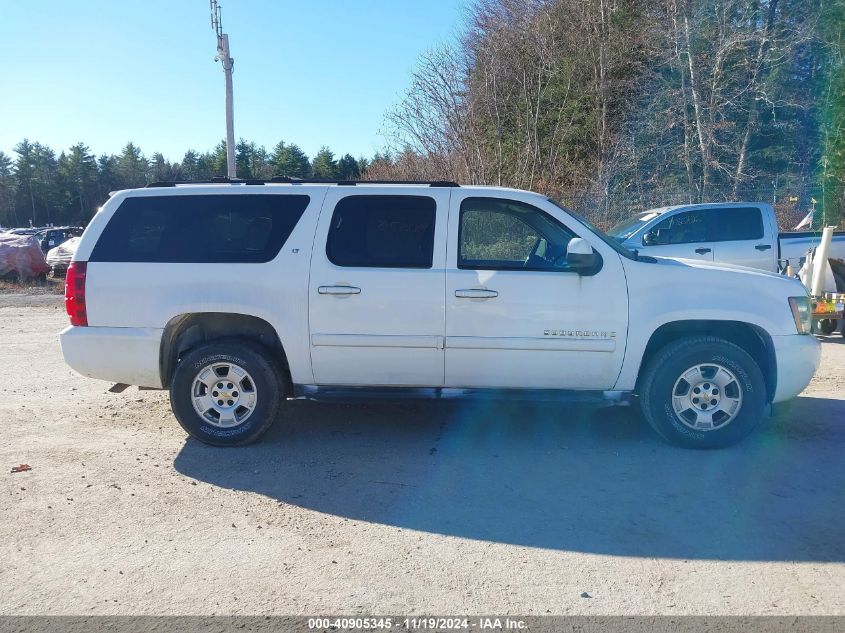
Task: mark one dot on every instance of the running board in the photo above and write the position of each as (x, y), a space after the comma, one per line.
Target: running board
(332, 393)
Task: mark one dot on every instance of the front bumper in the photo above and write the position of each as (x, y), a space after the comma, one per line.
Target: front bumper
(797, 357)
(116, 354)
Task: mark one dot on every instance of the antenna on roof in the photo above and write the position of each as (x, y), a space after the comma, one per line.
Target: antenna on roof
(228, 64)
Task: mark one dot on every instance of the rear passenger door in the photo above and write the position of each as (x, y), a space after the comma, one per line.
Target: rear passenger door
(376, 291)
(738, 237)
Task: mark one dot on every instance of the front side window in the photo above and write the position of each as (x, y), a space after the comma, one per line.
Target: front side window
(687, 227)
(199, 229)
(382, 232)
(627, 228)
(499, 234)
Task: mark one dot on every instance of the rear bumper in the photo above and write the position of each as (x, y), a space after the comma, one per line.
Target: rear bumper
(116, 354)
(797, 358)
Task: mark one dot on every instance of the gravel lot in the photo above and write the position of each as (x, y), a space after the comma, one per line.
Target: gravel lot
(413, 508)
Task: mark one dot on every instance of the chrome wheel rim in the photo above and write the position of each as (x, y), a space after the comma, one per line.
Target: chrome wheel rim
(707, 397)
(224, 394)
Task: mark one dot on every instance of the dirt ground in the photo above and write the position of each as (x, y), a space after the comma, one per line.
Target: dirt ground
(425, 508)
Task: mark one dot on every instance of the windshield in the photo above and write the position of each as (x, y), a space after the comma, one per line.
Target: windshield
(599, 233)
(626, 228)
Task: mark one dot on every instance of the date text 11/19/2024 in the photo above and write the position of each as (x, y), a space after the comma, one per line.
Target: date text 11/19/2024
(491, 623)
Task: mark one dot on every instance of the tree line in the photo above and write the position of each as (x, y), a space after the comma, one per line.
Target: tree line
(38, 186)
(618, 104)
(611, 106)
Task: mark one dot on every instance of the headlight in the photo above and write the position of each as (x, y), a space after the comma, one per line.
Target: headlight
(802, 314)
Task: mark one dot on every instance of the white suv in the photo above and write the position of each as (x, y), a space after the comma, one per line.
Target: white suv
(237, 296)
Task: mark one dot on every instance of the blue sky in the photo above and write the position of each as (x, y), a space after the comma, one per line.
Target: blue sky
(310, 72)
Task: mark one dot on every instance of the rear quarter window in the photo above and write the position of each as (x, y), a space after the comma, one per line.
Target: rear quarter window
(199, 229)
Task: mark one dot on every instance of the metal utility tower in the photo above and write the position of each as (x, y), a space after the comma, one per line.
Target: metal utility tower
(228, 63)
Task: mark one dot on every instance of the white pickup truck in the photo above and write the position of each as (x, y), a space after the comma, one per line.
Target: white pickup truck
(741, 233)
(240, 295)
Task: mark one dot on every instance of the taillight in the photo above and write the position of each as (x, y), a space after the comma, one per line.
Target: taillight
(75, 293)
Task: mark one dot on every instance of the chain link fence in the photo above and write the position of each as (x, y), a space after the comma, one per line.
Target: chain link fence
(791, 204)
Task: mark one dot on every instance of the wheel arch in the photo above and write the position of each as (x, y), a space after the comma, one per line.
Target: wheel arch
(186, 331)
(751, 338)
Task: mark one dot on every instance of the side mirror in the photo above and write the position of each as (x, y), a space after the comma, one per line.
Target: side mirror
(581, 257)
(649, 239)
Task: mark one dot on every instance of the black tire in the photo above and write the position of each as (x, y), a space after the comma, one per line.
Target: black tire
(260, 366)
(668, 365)
(827, 326)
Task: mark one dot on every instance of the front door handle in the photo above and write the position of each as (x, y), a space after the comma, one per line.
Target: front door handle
(703, 251)
(476, 293)
(763, 247)
(339, 290)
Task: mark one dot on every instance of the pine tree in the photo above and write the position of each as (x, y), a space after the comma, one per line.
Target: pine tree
(132, 166)
(190, 165)
(289, 160)
(108, 179)
(245, 159)
(324, 165)
(348, 168)
(44, 193)
(217, 161)
(832, 167)
(8, 188)
(78, 171)
(25, 174)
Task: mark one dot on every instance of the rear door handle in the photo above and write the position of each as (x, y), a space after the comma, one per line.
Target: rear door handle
(703, 251)
(763, 247)
(339, 290)
(476, 293)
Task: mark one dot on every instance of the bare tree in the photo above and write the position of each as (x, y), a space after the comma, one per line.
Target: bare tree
(642, 101)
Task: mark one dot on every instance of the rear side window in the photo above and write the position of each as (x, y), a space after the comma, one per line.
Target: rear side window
(199, 229)
(382, 232)
(742, 223)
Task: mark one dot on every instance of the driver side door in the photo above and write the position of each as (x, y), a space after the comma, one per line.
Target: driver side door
(517, 316)
(681, 235)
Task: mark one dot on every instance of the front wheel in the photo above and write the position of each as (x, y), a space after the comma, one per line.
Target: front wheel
(703, 392)
(827, 326)
(226, 392)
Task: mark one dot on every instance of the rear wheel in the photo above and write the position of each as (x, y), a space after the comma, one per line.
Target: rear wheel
(703, 392)
(226, 392)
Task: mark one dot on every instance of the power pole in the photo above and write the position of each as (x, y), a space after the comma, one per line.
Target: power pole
(225, 58)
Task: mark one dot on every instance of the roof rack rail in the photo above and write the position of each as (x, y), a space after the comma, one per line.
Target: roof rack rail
(301, 181)
(211, 181)
(333, 181)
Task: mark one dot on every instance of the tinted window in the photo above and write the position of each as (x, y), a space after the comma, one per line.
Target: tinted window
(509, 235)
(199, 229)
(382, 232)
(745, 223)
(682, 228)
